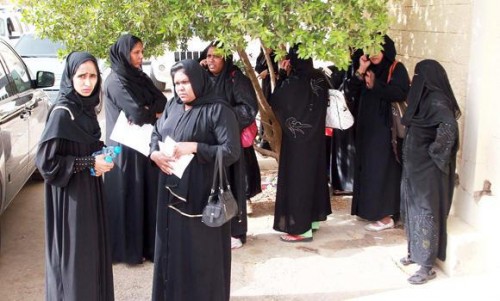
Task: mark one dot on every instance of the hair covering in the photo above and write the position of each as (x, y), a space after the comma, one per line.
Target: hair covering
(82, 126)
(299, 66)
(200, 83)
(229, 67)
(381, 70)
(135, 81)
(431, 99)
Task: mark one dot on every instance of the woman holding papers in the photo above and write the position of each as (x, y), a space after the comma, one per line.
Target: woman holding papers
(78, 260)
(192, 260)
(132, 187)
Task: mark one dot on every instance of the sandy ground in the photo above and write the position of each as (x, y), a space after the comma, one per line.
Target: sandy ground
(344, 262)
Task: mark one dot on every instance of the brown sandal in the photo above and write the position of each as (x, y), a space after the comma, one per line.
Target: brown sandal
(421, 277)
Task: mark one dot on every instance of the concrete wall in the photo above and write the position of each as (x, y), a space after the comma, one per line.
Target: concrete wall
(463, 35)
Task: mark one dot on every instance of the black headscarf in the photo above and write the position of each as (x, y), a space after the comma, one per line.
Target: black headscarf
(300, 66)
(229, 67)
(381, 70)
(81, 124)
(200, 82)
(431, 100)
(135, 81)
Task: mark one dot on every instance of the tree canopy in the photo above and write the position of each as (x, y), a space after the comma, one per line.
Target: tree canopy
(327, 30)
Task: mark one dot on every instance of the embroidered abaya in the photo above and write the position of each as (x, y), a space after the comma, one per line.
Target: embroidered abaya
(429, 158)
(132, 186)
(299, 102)
(78, 259)
(377, 174)
(237, 89)
(192, 260)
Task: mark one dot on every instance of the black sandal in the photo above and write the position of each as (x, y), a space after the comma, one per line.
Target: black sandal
(421, 277)
(406, 261)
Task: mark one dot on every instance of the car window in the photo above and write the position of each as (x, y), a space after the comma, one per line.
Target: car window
(4, 82)
(31, 46)
(2, 27)
(16, 69)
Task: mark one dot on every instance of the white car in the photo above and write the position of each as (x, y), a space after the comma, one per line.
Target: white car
(11, 27)
(160, 65)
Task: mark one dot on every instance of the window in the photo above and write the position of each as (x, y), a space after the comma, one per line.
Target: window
(16, 69)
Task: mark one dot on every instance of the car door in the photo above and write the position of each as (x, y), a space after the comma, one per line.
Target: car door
(14, 122)
(35, 101)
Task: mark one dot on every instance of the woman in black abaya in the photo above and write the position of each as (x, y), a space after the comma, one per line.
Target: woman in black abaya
(234, 86)
(377, 173)
(299, 102)
(132, 187)
(78, 259)
(429, 159)
(192, 260)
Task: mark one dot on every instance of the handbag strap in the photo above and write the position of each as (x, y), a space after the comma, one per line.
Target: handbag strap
(219, 180)
(391, 70)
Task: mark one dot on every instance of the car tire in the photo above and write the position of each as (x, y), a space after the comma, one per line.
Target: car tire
(158, 84)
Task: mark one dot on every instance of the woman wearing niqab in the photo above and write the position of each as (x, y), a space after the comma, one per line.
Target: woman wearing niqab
(192, 261)
(78, 259)
(299, 102)
(377, 173)
(132, 187)
(429, 160)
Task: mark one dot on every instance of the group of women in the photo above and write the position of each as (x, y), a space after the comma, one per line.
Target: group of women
(146, 212)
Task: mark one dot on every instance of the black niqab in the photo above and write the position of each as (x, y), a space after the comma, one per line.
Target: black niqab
(82, 126)
(135, 81)
(430, 78)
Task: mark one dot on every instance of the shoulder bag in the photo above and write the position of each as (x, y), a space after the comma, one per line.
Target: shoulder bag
(338, 115)
(398, 110)
(221, 206)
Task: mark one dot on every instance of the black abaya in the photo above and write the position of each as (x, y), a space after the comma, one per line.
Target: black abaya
(132, 186)
(302, 197)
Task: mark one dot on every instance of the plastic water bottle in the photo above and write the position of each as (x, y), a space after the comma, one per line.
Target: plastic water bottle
(109, 152)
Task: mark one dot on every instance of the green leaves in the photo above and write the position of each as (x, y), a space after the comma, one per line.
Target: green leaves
(327, 29)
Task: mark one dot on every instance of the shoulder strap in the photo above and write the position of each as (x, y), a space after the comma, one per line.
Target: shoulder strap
(64, 108)
(391, 70)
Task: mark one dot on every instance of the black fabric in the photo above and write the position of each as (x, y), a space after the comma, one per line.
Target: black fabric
(429, 162)
(429, 77)
(299, 102)
(193, 261)
(82, 126)
(237, 89)
(77, 255)
(132, 186)
(137, 84)
(377, 174)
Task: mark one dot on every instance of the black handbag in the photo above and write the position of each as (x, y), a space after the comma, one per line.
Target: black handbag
(221, 206)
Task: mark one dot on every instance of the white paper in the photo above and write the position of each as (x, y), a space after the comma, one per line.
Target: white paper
(132, 135)
(179, 165)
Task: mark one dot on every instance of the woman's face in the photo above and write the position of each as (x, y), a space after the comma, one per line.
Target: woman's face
(136, 55)
(376, 58)
(215, 62)
(183, 87)
(85, 78)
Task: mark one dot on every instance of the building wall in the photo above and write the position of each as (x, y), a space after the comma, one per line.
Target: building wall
(463, 36)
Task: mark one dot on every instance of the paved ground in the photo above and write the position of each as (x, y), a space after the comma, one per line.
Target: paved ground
(344, 262)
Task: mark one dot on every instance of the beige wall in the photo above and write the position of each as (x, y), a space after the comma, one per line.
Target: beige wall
(464, 36)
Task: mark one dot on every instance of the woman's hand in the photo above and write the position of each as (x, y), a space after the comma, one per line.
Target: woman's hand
(163, 161)
(364, 63)
(101, 166)
(369, 79)
(185, 148)
(263, 74)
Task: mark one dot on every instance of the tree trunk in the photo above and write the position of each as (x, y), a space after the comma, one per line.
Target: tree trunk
(272, 129)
